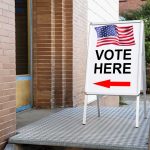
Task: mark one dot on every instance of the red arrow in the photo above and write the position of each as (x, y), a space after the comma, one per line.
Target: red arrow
(108, 83)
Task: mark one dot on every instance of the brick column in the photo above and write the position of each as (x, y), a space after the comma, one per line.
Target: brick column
(57, 73)
(7, 71)
(52, 54)
(42, 53)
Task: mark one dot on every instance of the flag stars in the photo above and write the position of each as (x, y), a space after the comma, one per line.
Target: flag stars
(105, 31)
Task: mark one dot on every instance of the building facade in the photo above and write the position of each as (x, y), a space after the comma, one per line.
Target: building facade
(59, 56)
(43, 65)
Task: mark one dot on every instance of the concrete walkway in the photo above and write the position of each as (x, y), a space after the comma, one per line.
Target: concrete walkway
(31, 115)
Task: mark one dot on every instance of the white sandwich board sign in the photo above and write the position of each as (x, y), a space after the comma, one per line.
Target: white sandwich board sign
(116, 61)
(114, 57)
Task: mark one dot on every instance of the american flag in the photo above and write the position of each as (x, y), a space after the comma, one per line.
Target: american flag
(113, 34)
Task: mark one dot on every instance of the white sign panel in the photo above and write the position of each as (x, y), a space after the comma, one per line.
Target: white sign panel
(115, 58)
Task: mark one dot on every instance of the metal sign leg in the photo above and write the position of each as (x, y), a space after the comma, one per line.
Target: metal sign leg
(145, 109)
(137, 111)
(98, 108)
(85, 109)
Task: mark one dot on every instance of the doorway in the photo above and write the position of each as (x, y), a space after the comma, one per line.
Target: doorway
(23, 16)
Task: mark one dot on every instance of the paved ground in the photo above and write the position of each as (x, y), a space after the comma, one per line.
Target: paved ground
(113, 130)
(31, 115)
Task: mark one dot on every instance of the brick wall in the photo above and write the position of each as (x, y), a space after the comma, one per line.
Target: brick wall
(126, 5)
(7, 71)
(52, 55)
(79, 49)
